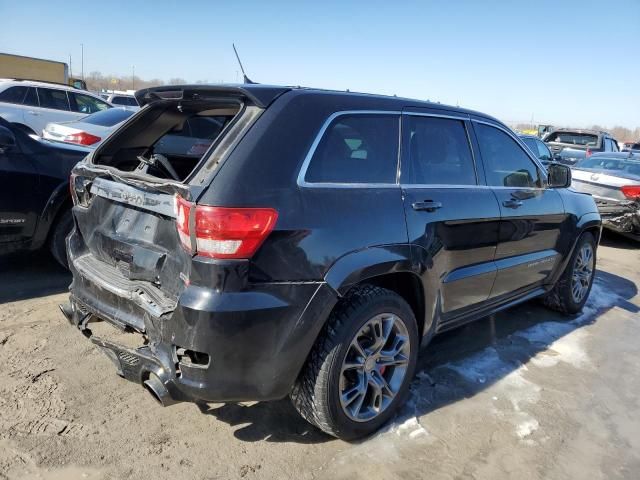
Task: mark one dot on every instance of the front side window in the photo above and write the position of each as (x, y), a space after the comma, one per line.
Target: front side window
(50, 98)
(13, 95)
(357, 149)
(506, 162)
(439, 153)
(86, 104)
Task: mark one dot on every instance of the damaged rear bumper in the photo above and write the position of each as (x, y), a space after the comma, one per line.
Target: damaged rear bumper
(213, 346)
(622, 217)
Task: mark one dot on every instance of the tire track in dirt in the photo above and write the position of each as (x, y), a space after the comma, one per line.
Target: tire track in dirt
(30, 401)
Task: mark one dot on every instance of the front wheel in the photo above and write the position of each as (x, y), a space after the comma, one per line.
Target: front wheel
(572, 290)
(360, 368)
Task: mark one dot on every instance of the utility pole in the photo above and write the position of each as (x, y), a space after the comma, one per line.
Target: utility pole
(70, 69)
(133, 77)
(82, 59)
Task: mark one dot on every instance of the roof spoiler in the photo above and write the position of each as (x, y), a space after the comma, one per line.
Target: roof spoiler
(259, 95)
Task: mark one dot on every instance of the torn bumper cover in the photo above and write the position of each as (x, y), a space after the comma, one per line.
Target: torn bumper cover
(622, 217)
(213, 346)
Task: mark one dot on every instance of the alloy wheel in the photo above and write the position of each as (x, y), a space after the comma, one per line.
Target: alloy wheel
(374, 367)
(583, 269)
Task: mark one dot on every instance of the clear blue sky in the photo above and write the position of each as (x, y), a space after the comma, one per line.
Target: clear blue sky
(561, 62)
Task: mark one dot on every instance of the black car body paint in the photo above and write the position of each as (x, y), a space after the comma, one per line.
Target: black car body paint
(457, 252)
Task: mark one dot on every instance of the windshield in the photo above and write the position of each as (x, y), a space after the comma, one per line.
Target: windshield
(108, 118)
(628, 165)
(584, 139)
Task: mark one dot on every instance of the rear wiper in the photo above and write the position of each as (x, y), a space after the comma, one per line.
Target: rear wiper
(159, 160)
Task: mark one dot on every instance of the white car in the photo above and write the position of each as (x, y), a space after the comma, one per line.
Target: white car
(31, 105)
(88, 131)
(123, 100)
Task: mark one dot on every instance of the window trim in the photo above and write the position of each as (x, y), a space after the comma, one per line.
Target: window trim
(536, 161)
(464, 120)
(307, 160)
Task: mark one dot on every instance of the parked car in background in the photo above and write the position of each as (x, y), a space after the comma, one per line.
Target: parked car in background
(123, 100)
(613, 179)
(190, 139)
(35, 204)
(569, 145)
(538, 148)
(294, 256)
(630, 147)
(31, 105)
(89, 130)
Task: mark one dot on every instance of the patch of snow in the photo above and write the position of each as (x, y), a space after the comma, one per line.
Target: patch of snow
(527, 427)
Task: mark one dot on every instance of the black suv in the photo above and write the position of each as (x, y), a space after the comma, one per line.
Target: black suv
(320, 240)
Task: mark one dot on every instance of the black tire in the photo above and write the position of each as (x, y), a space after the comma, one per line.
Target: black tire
(57, 244)
(560, 298)
(316, 392)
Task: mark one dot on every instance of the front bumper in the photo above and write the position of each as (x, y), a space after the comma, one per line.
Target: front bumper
(256, 341)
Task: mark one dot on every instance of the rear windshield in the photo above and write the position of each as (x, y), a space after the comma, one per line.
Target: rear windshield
(108, 118)
(583, 139)
(627, 165)
(167, 139)
(128, 101)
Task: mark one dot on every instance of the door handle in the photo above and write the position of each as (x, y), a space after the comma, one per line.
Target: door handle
(427, 205)
(31, 112)
(513, 203)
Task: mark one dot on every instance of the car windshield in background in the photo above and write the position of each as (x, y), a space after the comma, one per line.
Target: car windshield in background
(627, 165)
(583, 139)
(108, 118)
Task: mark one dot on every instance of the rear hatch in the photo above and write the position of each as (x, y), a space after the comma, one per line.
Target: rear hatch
(126, 253)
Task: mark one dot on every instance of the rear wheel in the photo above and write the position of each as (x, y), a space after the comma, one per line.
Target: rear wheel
(59, 232)
(572, 290)
(361, 366)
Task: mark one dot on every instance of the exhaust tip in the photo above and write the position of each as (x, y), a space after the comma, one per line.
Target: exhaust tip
(158, 391)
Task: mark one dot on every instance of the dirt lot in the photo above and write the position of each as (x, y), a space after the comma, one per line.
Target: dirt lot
(524, 394)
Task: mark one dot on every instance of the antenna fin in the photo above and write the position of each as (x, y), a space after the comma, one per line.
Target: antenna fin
(244, 75)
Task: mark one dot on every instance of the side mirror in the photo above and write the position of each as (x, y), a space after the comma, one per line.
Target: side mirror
(7, 139)
(559, 175)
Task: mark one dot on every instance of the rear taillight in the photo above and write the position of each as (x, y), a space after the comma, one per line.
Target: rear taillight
(589, 152)
(82, 138)
(222, 232)
(632, 192)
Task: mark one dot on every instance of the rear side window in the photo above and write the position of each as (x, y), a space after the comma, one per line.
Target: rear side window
(506, 163)
(357, 149)
(439, 153)
(13, 95)
(50, 98)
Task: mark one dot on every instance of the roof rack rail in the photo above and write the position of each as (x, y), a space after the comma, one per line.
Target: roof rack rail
(42, 81)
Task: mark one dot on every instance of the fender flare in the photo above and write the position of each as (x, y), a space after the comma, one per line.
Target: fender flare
(51, 210)
(360, 265)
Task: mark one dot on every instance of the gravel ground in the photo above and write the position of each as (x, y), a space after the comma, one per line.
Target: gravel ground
(523, 394)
